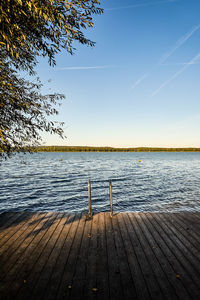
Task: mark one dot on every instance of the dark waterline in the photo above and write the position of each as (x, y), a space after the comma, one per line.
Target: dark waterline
(58, 181)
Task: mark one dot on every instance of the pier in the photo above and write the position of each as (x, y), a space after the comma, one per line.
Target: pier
(126, 256)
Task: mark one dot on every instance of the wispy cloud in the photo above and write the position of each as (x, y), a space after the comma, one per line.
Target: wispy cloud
(83, 68)
(191, 62)
(137, 82)
(141, 4)
(163, 59)
(182, 64)
(178, 44)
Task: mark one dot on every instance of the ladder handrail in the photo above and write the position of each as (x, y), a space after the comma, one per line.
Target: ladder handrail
(111, 203)
(90, 199)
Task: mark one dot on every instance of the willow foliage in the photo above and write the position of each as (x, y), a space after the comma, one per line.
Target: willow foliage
(29, 28)
(24, 112)
(42, 27)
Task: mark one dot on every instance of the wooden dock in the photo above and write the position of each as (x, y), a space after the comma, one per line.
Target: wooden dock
(131, 256)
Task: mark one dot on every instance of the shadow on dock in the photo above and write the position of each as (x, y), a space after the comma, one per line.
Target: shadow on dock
(70, 256)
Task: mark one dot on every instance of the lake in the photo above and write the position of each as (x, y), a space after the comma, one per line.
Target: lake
(144, 181)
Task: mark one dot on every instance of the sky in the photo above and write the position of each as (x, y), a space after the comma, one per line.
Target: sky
(140, 84)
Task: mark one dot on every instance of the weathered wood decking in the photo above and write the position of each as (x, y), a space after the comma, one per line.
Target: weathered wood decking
(131, 256)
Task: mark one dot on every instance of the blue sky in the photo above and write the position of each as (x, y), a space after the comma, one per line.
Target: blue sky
(140, 85)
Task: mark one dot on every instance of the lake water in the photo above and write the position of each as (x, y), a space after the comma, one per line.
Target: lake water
(59, 181)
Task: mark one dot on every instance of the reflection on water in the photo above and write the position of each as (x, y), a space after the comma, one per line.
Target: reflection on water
(141, 181)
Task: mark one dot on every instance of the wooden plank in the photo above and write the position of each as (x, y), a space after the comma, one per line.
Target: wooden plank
(91, 275)
(69, 270)
(131, 256)
(27, 290)
(33, 270)
(15, 277)
(173, 289)
(190, 216)
(18, 259)
(189, 261)
(129, 290)
(13, 226)
(4, 214)
(196, 214)
(79, 278)
(10, 252)
(162, 251)
(102, 261)
(6, 219)
(148, 273)
(44, 276)
(179, 230)
(186, 228)
(173, 255)
(165, 286)
(134, 264)
(57, 274)
(115, 284)
(14, 238)
(189, 226)
(190, 219)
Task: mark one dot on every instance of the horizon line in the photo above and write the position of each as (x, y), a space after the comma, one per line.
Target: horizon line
(136, 147)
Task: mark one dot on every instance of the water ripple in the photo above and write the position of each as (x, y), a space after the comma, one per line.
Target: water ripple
(58, 181)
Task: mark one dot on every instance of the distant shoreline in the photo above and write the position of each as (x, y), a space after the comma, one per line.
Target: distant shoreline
(111, 149)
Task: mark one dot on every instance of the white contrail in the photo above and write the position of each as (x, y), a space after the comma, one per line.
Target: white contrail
(141, 5)
(83, 68)
(182, 64)
(137, 82)
(178, 44)
(191, 62)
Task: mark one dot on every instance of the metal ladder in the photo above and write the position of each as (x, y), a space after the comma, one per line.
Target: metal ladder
(90, 199)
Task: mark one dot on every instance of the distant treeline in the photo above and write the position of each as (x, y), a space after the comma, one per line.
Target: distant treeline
(110, 149)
